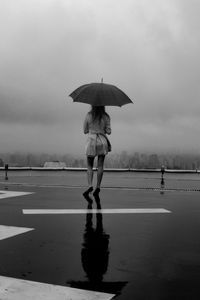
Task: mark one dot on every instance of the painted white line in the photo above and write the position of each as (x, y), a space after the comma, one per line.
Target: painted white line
(9, 194)
(9, 231)
(19, 289)
(103, 211)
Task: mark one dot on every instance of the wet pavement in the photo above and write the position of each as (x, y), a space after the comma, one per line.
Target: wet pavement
(132, 255)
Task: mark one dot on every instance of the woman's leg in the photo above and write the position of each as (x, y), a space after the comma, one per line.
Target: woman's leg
(100, 170)
(90, 163)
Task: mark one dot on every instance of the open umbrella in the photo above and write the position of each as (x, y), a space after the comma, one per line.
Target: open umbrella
(100, 94)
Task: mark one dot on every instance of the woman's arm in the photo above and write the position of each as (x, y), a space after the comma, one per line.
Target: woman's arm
(85, 125)
(108, 126)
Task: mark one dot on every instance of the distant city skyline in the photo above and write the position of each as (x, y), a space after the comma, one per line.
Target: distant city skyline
(149, 49)
(125, 160)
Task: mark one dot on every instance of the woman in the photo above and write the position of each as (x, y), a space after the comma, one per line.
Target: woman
(96, 125)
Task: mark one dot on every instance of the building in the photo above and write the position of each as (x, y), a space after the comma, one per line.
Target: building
(54, 164)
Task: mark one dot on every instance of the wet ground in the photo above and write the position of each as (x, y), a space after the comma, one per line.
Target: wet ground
(132, 255)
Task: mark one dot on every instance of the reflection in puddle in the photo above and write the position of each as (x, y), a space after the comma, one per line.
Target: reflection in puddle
(162, 186)
(95, 253)
(95, 249)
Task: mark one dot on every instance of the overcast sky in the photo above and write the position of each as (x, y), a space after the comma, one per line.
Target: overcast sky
(149, 49)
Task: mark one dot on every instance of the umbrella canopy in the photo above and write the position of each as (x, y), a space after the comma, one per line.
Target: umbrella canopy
(100, 94)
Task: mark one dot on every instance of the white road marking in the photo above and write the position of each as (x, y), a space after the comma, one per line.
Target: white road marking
(19, 289)
(103, 211)
(9, 231)
(9, 194)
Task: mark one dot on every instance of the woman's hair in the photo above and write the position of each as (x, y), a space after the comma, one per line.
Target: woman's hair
(98, 112)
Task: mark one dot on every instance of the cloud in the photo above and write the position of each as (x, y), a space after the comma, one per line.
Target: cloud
(149, 49)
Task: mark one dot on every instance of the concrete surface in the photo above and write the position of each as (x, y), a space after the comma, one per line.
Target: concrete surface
(134, 256)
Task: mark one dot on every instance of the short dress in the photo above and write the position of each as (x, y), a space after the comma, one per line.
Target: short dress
(97, 142)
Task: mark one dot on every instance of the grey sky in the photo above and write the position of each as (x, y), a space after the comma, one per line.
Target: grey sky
(150, 49)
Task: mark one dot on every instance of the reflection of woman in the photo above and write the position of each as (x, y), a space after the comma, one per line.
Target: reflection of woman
(97, 125)
(95, 252)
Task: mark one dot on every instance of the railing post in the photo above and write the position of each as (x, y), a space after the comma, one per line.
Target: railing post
(162, 171)
(6, 171)
(162, 183)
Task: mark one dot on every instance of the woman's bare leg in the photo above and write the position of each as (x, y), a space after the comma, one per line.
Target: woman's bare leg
(100, 169)
(90, 163)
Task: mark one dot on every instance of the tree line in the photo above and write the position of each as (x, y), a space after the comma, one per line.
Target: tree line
(124, 159)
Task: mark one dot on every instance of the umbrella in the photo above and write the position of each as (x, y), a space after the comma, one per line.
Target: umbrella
(100, 94)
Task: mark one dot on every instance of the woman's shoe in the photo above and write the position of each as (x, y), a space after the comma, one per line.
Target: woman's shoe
(97, 200)
(89, 190)
(96, 192)
(88, 199)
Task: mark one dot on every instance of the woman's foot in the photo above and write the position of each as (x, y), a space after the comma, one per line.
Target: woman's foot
(88, 199)
(96, 192)
(88, 191)
(97, 200)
